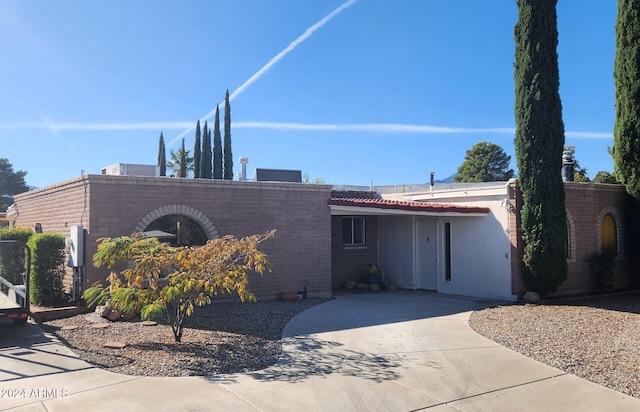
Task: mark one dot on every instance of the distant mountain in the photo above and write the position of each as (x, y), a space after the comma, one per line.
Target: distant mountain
(447, 179)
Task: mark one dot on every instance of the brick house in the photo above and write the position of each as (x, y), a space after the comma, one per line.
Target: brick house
(111, 206)
(457, 239)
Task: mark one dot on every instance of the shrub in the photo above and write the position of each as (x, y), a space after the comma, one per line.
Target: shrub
(374, 276)
(47, 268)
(601, 265)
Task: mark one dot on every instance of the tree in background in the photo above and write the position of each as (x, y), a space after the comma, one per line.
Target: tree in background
(217, 147)
(228, 156)
(162, 156)
(316, 181)
(539, 142)
(197, 150)
(196, 275)
(205, 161)
(484, 162)
(178, 159)
(605, 177)
(11, 183)
(182, 169)
(626, 73)
(579, 173)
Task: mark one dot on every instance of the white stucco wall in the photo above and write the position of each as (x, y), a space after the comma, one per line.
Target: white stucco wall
(481, 260)
(395, 249)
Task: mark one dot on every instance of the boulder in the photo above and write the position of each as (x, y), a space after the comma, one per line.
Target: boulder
(350, 284)
(102, 310)
(114, 315)
(531, 297)
(374, 287)
(95, 318)
(362, 286)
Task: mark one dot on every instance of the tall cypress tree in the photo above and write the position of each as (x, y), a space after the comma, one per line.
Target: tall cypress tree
(539, 142)
(183, 161)
(217, 147)
(162, 156)
(197, 152)
(228, 156)
(205, 162)
(626, 73)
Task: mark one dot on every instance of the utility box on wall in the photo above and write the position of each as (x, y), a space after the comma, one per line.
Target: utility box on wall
(76, 246)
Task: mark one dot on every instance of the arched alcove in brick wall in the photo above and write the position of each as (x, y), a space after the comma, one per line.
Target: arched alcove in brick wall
(619, 228)
(207, 225)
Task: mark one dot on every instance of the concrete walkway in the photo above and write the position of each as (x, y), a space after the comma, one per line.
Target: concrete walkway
(397, 351)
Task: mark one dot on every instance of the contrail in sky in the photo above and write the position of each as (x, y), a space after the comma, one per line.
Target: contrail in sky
(48, 124)
(304, 36)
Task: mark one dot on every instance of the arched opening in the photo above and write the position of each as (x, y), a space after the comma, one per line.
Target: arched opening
(609, 235)
(189, 225)
(186, 231)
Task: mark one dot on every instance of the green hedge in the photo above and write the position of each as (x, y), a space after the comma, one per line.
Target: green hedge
(47, 268)
(12, 257)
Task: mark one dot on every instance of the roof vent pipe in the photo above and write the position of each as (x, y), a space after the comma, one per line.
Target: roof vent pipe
(243, 162)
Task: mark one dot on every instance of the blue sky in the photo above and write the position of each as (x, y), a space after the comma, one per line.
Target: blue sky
(351, 92)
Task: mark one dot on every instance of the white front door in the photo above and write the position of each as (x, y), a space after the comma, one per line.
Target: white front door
(427, 255)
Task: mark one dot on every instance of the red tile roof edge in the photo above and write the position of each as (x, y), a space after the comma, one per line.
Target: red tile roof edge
(406, 205)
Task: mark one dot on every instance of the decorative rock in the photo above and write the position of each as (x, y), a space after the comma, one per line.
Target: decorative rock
(95, 318)
(114, 345)
(531, 297)
(392, 287)
(100, 325)
(129, 315)
(102, 310)
(374, 287)
(350, 284)
(277, 312)
(362, 286)
(149, 323)
(69, 327)
(114, 315)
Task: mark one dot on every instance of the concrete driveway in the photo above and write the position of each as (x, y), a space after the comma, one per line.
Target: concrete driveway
(396, 351)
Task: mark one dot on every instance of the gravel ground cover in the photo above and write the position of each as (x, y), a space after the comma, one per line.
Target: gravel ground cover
(596, 338)
(221, 338)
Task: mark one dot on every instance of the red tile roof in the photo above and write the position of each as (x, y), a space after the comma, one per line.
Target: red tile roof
(379, 203)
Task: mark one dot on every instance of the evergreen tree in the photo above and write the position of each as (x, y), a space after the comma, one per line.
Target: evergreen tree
(183, 161)
(626, 73)
(484, 162)
(228, 156)
(197, 152)
(11, 183)
(217, 147)
(162, 156)
(539, 142)
(205, 162)
(605, 177)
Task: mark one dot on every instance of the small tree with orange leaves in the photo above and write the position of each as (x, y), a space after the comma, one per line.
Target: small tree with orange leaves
(193, 275)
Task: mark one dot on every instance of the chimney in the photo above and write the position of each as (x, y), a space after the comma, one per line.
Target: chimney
(243, 162)
(568, 166)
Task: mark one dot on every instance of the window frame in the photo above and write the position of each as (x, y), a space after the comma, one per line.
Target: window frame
(447, 252)
(352, 229)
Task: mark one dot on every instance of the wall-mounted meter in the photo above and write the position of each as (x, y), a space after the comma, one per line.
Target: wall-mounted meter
(76, 246)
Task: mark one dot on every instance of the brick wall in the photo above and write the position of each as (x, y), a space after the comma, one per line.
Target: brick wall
(586, 204)
(56, 208)
(350, 263)
(116, 205)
